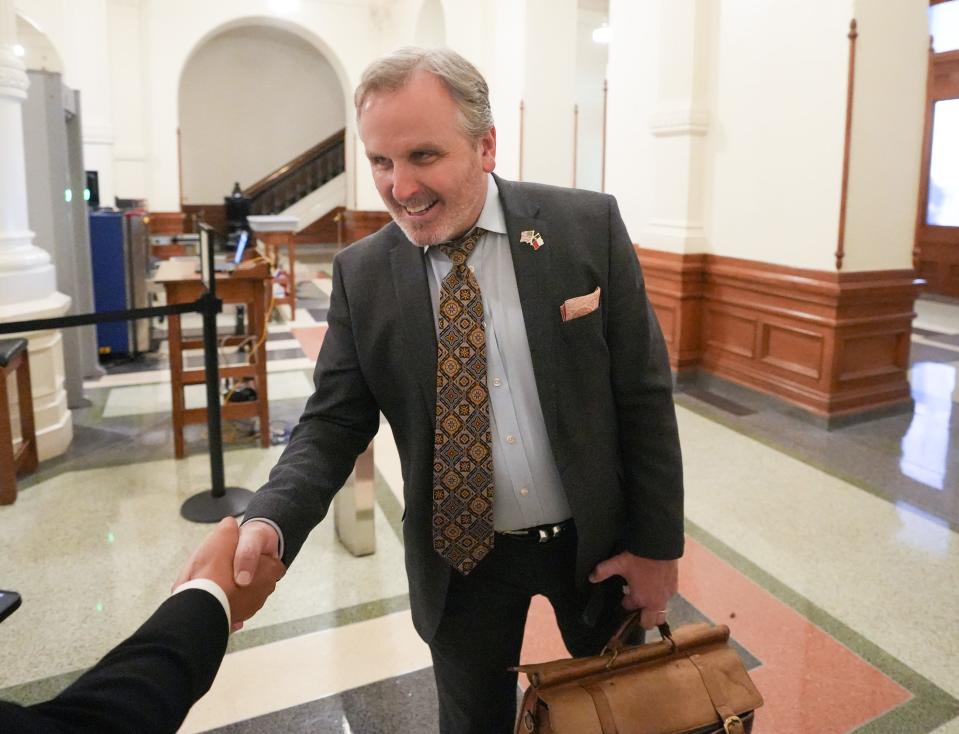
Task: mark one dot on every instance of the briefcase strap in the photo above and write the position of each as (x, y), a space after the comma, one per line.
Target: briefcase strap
(732, 724)
(603, 710)
(618, 641)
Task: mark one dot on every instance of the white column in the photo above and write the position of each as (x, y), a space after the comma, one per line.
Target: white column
(88, 69)
(549, 92)
(658, 119)
(27, 277)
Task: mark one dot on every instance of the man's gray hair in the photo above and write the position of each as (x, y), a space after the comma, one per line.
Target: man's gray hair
(462, 80)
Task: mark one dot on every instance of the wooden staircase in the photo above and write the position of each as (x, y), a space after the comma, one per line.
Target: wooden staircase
(301, 176)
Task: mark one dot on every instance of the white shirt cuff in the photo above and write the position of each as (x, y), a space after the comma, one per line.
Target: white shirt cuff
(279, 533)
(214, 588)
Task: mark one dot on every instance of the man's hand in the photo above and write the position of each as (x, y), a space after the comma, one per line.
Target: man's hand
(649, 584)
(257, 539)
(214, 560)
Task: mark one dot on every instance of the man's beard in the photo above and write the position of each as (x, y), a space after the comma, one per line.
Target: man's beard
(455, 222)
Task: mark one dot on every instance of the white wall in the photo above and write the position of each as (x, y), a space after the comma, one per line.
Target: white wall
(887, 128)
(252, 99)
(549, 93)
(591, 59)
(633, 77)
(777, 130)
(775, 75)
(431, 25)
(130, 156)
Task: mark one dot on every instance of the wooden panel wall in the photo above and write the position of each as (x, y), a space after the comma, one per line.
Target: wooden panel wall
(322, 231)
(833, 344)
(166, 223)
(212, 214)
(357, 224)
(674, 285)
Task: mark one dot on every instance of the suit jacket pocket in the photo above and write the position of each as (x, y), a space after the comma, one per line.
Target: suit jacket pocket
(575, 308)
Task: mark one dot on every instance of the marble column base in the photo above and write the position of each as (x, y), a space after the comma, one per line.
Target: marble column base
(54, 422)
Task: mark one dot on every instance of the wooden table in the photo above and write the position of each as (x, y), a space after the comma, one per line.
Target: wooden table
(272, 242)
(249, 284)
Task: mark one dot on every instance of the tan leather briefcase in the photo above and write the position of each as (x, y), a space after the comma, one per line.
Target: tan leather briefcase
(689, 682)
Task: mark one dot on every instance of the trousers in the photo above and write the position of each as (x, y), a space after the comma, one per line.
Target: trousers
(481, 632)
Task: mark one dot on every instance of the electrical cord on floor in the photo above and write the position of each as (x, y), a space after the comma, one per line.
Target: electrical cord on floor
(237, 384)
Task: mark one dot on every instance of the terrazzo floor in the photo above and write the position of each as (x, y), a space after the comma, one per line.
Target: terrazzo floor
(832, 555)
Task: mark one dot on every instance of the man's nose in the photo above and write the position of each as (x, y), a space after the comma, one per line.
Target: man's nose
(405, 185)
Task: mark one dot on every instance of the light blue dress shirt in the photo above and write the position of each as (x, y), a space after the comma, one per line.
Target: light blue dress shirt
(528, 490)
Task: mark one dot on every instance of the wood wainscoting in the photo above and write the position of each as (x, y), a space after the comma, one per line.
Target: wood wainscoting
(834, 344)
(212, 214)
(323, 230)
(675, 285)
(166, 223)
(356, 224)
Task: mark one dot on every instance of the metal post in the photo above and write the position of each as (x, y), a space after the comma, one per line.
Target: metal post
(221, 501)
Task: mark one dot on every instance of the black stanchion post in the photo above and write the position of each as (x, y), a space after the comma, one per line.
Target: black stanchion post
(221, 501)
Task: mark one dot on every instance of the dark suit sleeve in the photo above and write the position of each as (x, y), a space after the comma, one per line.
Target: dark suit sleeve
(146, 684)
(339, 421)
(642, 388)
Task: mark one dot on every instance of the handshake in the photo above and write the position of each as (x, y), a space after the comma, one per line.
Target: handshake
(223, 559)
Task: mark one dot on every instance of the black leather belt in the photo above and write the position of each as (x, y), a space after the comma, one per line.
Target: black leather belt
(541, 533)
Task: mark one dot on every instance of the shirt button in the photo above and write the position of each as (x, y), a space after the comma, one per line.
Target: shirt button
(524, 491)
(511, 438)
(497, 382)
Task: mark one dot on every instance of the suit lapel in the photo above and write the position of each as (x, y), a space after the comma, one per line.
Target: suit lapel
(416, 309)
(534, 281)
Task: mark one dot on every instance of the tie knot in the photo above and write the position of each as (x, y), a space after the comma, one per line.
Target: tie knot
(458, 251)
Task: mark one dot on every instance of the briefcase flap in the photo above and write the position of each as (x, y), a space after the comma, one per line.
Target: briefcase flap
(686, 639)
(664, 697)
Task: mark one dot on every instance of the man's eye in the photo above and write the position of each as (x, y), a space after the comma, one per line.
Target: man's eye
(424, 156)
(379, 162)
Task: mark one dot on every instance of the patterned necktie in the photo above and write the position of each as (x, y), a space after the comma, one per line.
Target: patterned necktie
(463, 449)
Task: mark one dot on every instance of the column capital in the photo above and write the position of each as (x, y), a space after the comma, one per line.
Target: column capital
(13, 75)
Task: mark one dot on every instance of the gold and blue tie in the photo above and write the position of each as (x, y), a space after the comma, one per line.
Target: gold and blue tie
(463, 453)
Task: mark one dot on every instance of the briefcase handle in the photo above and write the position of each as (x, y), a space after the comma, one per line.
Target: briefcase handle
(617, 641)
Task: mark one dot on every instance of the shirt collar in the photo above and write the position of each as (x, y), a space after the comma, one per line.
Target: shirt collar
(492, 218)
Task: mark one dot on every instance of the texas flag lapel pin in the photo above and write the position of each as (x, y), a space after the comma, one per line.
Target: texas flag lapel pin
(532, 238)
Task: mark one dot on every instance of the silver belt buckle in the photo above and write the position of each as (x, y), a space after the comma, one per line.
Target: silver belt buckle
(547, 534)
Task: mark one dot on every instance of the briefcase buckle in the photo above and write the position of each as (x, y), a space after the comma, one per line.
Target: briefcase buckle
(732, 721)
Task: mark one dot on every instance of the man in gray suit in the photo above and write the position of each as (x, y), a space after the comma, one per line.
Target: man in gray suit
(571, 398)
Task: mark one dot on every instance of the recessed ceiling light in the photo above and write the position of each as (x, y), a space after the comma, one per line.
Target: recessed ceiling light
(603, 34)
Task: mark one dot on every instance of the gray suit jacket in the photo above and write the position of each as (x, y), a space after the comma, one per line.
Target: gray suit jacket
(603, 381)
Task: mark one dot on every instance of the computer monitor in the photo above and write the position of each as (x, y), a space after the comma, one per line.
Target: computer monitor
(241, 246)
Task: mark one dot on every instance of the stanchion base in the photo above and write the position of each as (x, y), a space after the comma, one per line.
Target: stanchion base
(204, 507)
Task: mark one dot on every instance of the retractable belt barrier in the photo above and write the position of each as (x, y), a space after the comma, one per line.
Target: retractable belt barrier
(221, 501)
(88, 319)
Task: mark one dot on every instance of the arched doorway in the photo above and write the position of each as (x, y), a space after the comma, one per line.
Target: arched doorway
(35, 49)
(253, 98)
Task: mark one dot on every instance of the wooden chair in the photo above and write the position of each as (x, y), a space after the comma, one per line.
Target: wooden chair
(14, 358)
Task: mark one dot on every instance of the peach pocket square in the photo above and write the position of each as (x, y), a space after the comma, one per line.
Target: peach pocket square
(573, 308)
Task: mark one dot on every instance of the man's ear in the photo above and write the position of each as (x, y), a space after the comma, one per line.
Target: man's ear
(487, 144)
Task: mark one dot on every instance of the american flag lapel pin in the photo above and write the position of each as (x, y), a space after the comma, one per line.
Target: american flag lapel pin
(532, 238)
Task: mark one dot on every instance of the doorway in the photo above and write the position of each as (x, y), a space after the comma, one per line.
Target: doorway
(937, 232)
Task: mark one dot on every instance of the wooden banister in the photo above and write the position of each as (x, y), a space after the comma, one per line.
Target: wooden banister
(302, 159)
